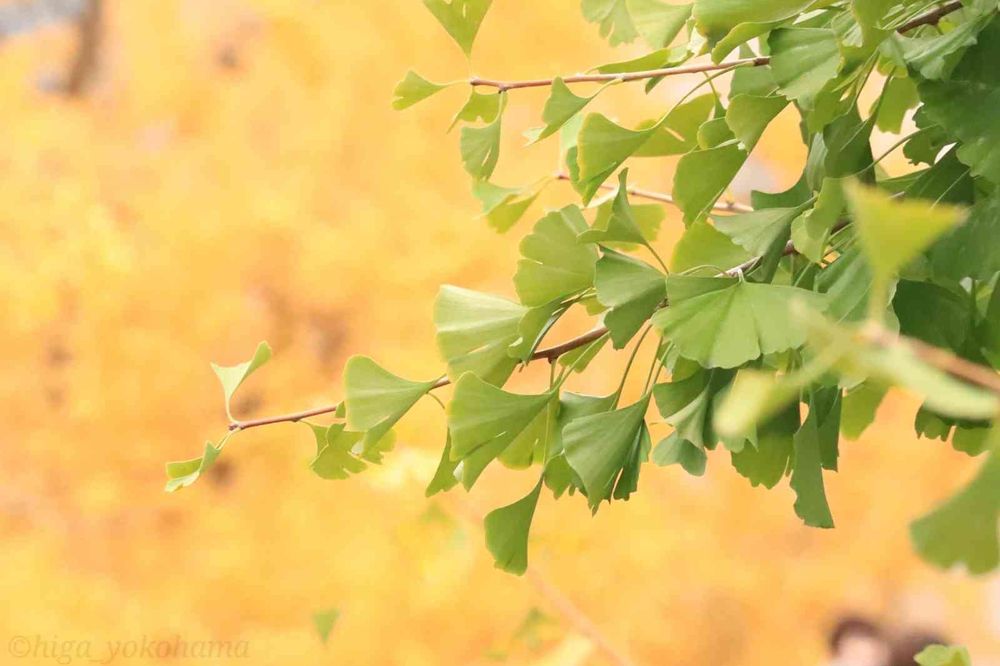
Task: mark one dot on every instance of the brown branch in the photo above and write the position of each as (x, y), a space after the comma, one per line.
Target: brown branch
(85, 62)
(630, 76)
(931, 18)
(727, 206)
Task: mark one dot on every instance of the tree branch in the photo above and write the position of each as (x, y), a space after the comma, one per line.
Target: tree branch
(931, 18)
(87, 51)
(727, 207)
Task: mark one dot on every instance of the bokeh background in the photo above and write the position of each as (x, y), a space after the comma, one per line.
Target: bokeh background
(231, 171)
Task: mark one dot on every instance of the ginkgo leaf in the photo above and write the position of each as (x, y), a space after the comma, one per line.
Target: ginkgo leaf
(847, 142)
(484, 420)
(632, 289)
(893, 232)
(559, 476)
(446, 476)
(600, 446)
(533, 325)
(619, 224)
(965, 105)
(658, 22)
(936, 54)
(183, 473)
(324, 621)
(807, 476)
(971, 250)
(703, 245)
(560, 107)
(474, 332)
(942, 655)
(613, 18)
(749, 115)
(964, 528)
(334, 458)
(232, 376)
(677, 132)
(554, 265)
(769, 462)
(725, 322)
(859, 407)
(811, 230)
(504, 206)
(578, 359)
(507, 531)
(480, 107)
(413, 89)
(603, 146)
(757, 231)
(480, 146)
(898, 97)
(676, 450)
(803, 61)
(717, 17)
(460, 18)
(687, 403)
(376, 399)
(702, 177)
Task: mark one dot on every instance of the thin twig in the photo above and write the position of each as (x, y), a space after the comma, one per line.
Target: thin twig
(87, 51)
(931, 18)
(726, 206)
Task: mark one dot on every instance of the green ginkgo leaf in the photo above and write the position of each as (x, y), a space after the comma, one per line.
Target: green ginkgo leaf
(480, 107)
(725, 322)
(702, 245)
(554, 265)
(971, 250)
(413, 89)
(675, 450)
(807, 475)
(507, 531)
(620, 224)
(964, 528)
(803, 61)
(965, 104)
(613, 18)
(460, 18)
(687, 402)
(658, 22)
(811, 230)
(324, 621)
(749, 115)
(183, 473)
(943, 655)
(936, 54)
(757, 231)
(602, 147)
(480, 146)
(504, 206)
(376, 399)
(677, 133)
(715, 18)
(632, 289)
(768, 462)
(559, 476)
(599, 447)
(561, 106)
(893, 232)
(446, 476)
(702, 177)
(484, 420)
(475, 331)
(335, 458)
(232, 376)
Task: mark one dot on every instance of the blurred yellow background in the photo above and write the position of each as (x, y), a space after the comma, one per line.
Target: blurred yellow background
(235, 173)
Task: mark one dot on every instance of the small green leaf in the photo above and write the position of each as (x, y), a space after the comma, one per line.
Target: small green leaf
(484, 420)
(479, 107)
(757, 231)
(725, 322)
(474, 332)
(755, 396)
(504, 206)
(893, 232)
(769, 462)
(898, 97)
(580, 358)
(703, 245)
(233, 376)
(507, 531)
(599, 447)
(632, 289)
(603, 146)
(376, 399)
(334, 458)
(749, 115)
(847, 141)
(324, 621)
(811, 230)
(617, 223)
(940, 655)
(658, 22)
(677, 132)
(554, 265)
(964, 528)
(446, 475)
(460, 18)
(480, 146)
(614, 20)
(717, 17)
(183, 473)
(803, 61)
(859, 407)
(413, 89)
(561, 106)
(936, 54)
(703, 175)
(676, 450)
(807, 476)
(971, 250)
(687, 402)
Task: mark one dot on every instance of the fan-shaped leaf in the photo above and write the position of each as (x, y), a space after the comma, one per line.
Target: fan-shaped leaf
(232, 376)
(460, 18)
(632, 289)
(474, 332)
(413, 89)
(554, 264)
(376, 399)
(507, 531)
